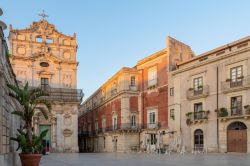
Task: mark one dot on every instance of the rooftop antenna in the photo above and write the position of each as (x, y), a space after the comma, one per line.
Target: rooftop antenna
(43, 15)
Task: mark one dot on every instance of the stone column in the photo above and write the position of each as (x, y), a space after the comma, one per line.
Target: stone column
(59, 134)
(75, 130)
(54, 119)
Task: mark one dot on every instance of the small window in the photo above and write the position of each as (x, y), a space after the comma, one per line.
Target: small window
(152, 76)
(171, 91)
(236, 73)
(44, 64)
(132, 83)
(152, 118)
(133, 120)
(198, 84)
(114, 123)
(197, 107)
(49, 41)
(172, 114)
(39, 39)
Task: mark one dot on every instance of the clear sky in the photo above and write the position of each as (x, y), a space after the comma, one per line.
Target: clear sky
(116, 33)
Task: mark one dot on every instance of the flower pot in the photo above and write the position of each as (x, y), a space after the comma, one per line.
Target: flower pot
(30, 159)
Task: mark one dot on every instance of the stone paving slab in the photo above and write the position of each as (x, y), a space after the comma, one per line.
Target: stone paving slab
(141, 159)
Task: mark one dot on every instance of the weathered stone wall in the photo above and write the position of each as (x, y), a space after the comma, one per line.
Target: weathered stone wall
(8, 122)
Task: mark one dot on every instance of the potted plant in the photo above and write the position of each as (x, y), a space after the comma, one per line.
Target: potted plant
(247, 109)
(241, 77)
(188, 121)
(223, 112)
(190, 89)
(31, 100)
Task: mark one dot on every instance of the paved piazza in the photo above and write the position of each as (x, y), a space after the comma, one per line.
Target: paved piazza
(132, 159)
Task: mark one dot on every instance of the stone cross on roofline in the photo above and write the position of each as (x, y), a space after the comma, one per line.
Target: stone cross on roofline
(43, 15)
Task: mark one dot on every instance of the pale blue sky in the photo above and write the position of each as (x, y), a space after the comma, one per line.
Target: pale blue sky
(116, 33)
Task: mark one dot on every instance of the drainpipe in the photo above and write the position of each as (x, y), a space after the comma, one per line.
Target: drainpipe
(142, 104)
(217, 105)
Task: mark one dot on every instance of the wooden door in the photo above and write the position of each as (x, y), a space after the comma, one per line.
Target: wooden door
(237, 141)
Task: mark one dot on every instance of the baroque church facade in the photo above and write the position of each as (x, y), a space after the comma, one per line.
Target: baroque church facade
(46, 58)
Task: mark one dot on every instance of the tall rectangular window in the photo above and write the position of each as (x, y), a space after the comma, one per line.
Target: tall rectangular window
(153, 139)
(152, 118)
(132, 81)
(198, 84)
(197, 111)
(172, 114)
(236, 74)
(197, 107)
(152, 76)
(44, 83)
(236, 105)
(171, 91)
(133, 120)
(114, 119)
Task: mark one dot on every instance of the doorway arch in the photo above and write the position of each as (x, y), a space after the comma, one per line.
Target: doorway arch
(198, 139)
(237, 137)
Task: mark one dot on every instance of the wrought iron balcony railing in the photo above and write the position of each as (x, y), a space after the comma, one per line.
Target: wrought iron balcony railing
(122, 127)
(197, 115)
(63, 94)
(202, 91)
(235, 111)
(236, 84)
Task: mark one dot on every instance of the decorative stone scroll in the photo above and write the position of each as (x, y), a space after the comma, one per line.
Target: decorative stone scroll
(67, 119)
(67, 132)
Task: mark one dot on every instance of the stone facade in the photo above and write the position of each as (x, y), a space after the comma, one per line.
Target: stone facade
(8, 123)
(210, 99)
(104, 119)
(132, 105)
(46, 58)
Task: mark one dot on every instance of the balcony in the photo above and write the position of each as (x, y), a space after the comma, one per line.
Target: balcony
(122, 127)
(194, 117)
(201, 92)
(63, 94)
(234, 113)
(132, 87)
(240, 83)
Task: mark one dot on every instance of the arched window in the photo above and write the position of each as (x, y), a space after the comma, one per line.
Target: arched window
(133, 120)
(198, 139)
(237, 126)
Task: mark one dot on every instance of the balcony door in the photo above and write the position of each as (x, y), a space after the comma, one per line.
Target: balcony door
(237, 137)
(198, 85)
(198, 139)
(236, 74)
(198, 111)
(236, 105)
